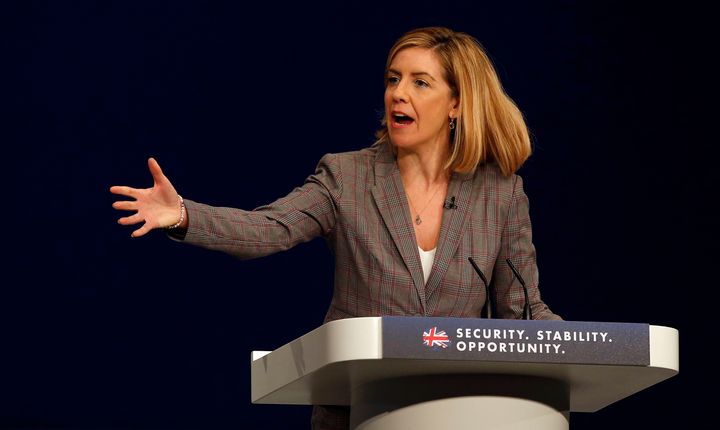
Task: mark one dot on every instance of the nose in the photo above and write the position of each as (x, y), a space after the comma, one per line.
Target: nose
(399, 92)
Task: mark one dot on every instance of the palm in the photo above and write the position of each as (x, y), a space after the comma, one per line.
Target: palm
(157, 207)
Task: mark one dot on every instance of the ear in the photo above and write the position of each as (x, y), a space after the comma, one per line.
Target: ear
(454, 107)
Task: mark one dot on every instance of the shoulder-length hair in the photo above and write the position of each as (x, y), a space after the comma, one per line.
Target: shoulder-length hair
(490, 127)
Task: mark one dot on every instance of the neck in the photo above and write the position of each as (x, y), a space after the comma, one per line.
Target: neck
(423, 167)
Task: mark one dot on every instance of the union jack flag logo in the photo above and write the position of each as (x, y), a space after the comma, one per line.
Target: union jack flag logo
(433, 337)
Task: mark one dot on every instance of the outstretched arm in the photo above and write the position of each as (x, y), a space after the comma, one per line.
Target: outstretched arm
(306, 212)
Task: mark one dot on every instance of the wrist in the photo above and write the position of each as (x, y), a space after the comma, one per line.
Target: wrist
(182, 222)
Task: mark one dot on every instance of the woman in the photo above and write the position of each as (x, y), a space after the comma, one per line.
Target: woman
(404, 215)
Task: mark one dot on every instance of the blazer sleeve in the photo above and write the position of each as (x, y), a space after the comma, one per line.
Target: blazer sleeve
(516, 244)
(307, 212)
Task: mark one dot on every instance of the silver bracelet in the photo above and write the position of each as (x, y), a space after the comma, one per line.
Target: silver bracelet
(182, 214)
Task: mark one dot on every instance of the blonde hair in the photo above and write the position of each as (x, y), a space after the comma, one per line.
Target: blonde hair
(490, 127)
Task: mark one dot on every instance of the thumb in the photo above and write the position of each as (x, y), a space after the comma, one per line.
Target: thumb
(155, 170)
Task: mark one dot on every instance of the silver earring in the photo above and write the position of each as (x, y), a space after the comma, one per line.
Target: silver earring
(452, 123)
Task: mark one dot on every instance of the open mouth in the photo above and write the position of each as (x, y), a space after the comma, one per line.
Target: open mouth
(401, 119)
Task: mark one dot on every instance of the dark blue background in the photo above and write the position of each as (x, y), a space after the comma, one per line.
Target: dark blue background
(238, 103)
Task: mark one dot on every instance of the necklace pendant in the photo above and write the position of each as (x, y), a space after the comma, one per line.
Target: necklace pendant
(418, 221)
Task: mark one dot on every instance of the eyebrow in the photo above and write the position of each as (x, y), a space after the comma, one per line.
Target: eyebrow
(412, 73)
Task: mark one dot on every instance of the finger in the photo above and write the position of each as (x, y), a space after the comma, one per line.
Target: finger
(125, 205)
(123, 191)
(130, 220)
(155, 170)
(141, 231)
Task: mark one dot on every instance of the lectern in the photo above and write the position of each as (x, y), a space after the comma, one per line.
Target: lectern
(464, 373)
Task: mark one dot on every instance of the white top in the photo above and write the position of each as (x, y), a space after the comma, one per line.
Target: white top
(427, 258)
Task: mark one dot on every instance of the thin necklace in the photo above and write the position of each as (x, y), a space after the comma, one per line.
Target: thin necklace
(418, 220)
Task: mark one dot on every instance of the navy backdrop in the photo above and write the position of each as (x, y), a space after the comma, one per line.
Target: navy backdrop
(103, 331)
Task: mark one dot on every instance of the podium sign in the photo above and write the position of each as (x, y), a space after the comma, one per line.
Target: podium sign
(516, 340)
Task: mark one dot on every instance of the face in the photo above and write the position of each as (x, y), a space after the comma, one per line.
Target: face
(418, 100)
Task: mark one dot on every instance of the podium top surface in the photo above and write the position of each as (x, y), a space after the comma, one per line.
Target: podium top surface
(599, 362)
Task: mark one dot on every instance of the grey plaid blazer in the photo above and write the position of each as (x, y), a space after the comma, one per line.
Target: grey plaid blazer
(356, 201)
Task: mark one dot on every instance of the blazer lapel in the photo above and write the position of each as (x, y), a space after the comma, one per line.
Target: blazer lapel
(391, 201)
(451, 228)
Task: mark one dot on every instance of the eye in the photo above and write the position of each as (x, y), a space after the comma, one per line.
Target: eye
(421, 83)
(392, 80)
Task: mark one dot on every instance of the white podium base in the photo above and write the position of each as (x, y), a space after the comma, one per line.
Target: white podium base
(459, 402)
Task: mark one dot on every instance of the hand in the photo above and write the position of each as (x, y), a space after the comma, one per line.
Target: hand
(158, 206)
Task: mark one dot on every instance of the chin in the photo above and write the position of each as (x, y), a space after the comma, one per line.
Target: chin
(402, 141)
